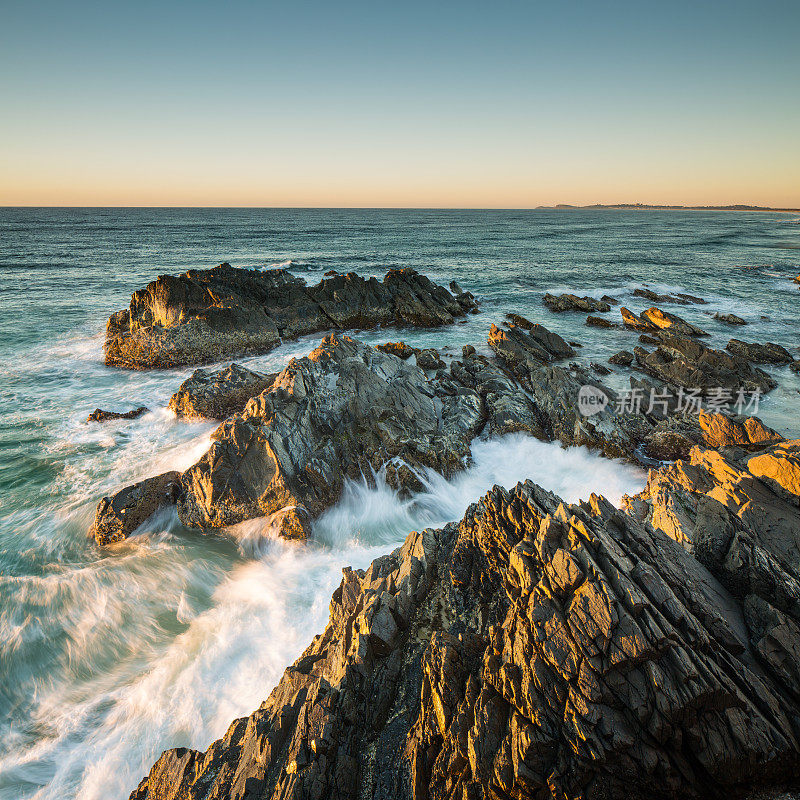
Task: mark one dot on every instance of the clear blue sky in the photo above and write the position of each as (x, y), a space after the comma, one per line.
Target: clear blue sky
(395, 104)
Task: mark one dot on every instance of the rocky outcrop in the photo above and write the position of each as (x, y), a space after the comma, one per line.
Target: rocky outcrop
(399, 349)
(524, 348)
(654, 319)
(98, 415)
(428, 359)
(768, 353)
(684, 362)
(534, 650)
(120, 514)
(730, 319)
(739, 514)
(343, 411)
(217, 395)
(571, 302)
(624, 358)
(680, 298)
(206, 315)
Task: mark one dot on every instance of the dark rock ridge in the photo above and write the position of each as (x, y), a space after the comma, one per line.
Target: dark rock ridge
(540, 650)
(217, 395)
(684, 362)
(120, 514)
(680, 298)
(206, 315)
(571, 302)
(343, 411)
(98, 415)
(599, 322)
(768, 353)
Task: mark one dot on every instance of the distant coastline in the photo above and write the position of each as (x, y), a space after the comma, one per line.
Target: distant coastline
(648, 207)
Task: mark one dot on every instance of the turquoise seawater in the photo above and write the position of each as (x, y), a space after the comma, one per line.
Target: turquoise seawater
(109, 657)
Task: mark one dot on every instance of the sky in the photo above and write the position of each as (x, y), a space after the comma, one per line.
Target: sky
(423, 104)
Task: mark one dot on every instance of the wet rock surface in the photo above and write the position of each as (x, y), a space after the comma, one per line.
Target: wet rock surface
(205, 315)
(119, 515)
(538, 649)
(571, 302)
(217, 395)
(342, 411)
(730, 319)
(682, 361)
(98, 415)
(767, 353)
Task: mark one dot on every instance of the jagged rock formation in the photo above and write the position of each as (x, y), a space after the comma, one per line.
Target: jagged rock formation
(342, 411)
(217, 395)
(683, 361)
(120, 514)
(739, 514)
(533, 650)
(98, 415)
(525, 345)
(654, 320)
(767, 353)
(349, 409)
(571, 302)
(206, 315)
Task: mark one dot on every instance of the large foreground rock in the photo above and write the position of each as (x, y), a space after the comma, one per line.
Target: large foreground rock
(217, 395)
(207, 315)
(535, 650)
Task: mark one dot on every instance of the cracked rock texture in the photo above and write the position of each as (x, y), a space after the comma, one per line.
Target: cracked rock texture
(217, 395)
(533, 650)
(206, 315)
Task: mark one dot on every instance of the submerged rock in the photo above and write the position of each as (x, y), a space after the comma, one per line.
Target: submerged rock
(571, 302)
(217, 395)
(206, 315)
(536, 649)
(98, 415)
(730, 319)
(119, 515)
(599, 322)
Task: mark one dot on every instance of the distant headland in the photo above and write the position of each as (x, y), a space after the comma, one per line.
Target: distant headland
(648, 207)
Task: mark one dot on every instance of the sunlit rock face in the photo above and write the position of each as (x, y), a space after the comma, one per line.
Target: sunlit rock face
(539, 649)
(207, 315)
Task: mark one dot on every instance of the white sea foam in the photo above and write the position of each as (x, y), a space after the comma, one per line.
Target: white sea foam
(195, 635)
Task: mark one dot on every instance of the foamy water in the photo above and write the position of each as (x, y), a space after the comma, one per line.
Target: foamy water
(173, 635)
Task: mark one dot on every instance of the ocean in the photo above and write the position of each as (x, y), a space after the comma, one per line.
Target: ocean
(108, 657)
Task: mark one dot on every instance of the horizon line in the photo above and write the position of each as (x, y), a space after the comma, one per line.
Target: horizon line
(556, 207)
